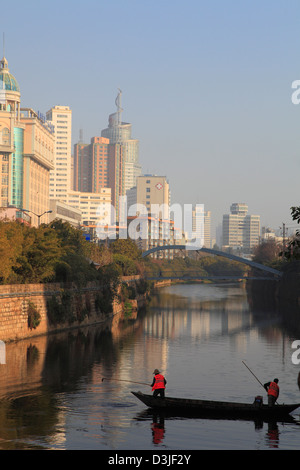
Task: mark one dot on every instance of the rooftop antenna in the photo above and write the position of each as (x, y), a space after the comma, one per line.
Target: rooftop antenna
(119, 108)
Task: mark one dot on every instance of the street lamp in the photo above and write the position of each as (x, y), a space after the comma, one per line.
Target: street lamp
(37, 215)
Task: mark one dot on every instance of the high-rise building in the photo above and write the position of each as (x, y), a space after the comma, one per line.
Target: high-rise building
(99, 165)
(153, 193)
(26, 152)
(201, 225)
(81, 167)
(207, 229)
(240, 231)
(119, 132)
(149, 208)
(60, 177)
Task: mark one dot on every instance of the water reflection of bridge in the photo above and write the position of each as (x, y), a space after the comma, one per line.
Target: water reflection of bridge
(202, 277)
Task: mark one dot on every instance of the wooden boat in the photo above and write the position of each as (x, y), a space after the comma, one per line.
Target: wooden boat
(231, 409)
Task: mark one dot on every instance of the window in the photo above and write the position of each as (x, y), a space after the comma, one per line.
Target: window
(5, 136)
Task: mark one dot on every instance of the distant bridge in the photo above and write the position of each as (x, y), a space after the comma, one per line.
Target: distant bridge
(275, 272)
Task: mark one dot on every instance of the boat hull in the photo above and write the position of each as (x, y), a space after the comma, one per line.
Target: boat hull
(193, 407)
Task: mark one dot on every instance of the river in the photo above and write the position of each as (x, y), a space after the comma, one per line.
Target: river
(53, 395)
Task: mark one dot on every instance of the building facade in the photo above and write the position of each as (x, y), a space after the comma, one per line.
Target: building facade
(119, 132)
(99, 165)
(61, 210)
(149, 221)
(94, 207)
(60, 117)
(26, 152)
(201, 226)
(149, 232)
(240, 230)
(38, 149)
(152, 193)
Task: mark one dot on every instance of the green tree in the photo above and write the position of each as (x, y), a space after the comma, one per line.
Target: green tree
(127, 266)
(266, 252)
(292, 251)
(126, 247)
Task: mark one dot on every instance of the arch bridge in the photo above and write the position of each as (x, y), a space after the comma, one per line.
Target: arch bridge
(273, 274)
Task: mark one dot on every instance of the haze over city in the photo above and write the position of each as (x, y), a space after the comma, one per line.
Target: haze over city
(207, 87)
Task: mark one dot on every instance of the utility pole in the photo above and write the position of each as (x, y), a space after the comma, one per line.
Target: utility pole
(283, 238)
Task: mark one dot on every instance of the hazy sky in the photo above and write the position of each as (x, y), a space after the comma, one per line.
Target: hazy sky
(207, 86)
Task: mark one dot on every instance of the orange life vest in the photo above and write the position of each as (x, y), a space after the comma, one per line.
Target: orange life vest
(273, 389)
(159, 382)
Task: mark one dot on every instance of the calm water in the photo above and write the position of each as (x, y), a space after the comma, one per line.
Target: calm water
(53, 395)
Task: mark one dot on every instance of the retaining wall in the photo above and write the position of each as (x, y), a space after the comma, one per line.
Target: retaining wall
(15, 300)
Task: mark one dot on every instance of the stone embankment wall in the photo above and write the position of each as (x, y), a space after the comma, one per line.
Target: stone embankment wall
(16, 299)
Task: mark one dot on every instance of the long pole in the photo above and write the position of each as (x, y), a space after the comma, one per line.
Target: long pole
(253, 374)
(131, 381)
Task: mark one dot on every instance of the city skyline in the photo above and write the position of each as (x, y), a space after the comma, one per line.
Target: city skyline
(207, 89)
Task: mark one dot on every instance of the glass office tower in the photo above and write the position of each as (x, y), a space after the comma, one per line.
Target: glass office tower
(119, 132)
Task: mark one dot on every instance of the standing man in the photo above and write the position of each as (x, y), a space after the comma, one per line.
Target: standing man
(159, 384)
(273, 391)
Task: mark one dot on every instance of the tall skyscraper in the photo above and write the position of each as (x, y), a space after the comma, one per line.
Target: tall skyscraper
(119, 132)
(60, 177)
(240, 230)
(99, 165)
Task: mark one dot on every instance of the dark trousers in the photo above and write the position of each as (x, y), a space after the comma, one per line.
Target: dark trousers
(159, 391)
(271, 400)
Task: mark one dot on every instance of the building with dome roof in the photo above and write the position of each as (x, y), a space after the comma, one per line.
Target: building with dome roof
(26, 152)
(9, 89)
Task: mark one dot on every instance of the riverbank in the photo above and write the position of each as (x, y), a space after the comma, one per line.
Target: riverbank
(278, 293)
(28, 310)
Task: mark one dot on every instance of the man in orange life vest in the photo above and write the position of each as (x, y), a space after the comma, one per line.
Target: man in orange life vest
(159, 384)
(273, 391)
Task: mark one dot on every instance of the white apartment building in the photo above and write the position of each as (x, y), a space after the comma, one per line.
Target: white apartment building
(201, 225)
(95, 207)
(60, 210)
(240, 231)
(60, 177)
